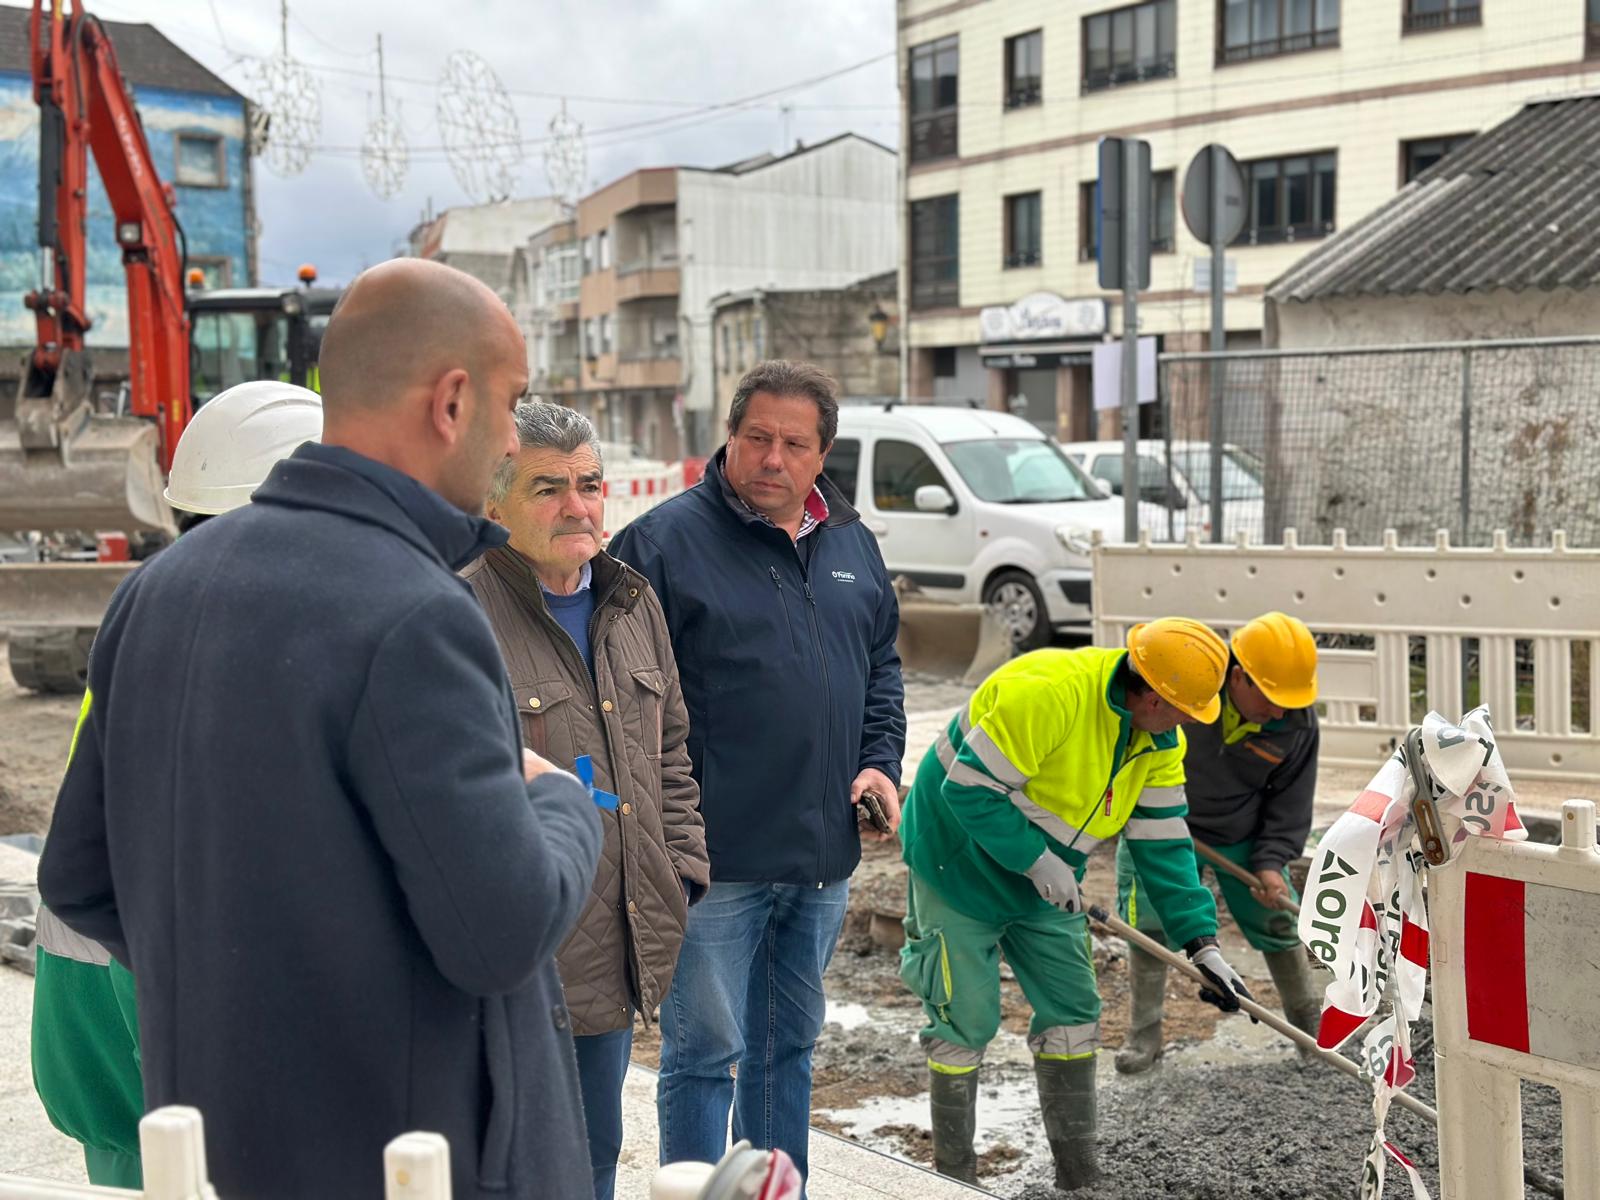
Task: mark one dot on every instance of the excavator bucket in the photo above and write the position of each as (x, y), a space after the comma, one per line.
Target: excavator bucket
(955, 641)
(104, 476)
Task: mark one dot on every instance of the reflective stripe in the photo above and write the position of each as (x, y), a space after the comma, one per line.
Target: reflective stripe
(1163, 797)
(1156, 829)
(1057, 827)
(959, 773)
(1066, 1041)
(1067, 835)
(52, 936)
(964, 720)
(950, 1059)
(83, 717)
(993, 758)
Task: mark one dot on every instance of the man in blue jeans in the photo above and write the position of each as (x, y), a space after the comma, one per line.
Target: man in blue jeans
(783, 623)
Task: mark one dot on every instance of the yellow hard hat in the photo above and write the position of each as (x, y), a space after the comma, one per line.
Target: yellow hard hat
(1278, 652)
(1184, 661)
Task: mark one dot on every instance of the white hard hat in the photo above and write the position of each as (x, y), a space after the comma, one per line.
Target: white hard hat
(235, 440)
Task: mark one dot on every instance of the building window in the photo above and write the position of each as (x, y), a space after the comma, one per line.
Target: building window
(1163, 216)
(605, 333)
(934, 67)
(1421, 16)
(1022, 230)
(758, 337)
(1251, 29)
(202, 160)
(727, 345)
(935, 252)
(944, 362)
(603, 251)
(1025, 69)
(1291, 199)
(217, 269)
(1163, 206)
(1130, 45)
(1591, 40)
(1417, 156)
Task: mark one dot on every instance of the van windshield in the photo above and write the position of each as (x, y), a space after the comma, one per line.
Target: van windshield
(1019, 471)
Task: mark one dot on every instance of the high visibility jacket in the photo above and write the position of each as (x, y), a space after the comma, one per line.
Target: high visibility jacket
(1045, 757)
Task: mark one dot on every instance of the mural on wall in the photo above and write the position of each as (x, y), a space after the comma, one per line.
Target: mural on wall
(197, 138)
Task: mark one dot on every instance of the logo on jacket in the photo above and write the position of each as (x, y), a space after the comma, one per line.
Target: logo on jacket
(845, 576)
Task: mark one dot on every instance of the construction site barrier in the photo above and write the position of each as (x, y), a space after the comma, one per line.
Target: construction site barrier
(1516, 995)
(632, 490)
(1411, 629)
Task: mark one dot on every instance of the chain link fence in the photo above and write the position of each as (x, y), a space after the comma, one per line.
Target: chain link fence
(1469, 437)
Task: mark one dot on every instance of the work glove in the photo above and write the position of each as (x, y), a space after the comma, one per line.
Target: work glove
(1226, 985)
(1056, 882)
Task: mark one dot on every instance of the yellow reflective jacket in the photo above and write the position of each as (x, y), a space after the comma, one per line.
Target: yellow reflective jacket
(1045, 756)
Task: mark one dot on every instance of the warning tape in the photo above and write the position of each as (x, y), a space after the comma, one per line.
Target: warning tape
(1364, 915)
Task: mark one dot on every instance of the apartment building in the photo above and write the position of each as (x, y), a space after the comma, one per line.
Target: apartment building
(658, 244)
(545, 273)
(1329, 108)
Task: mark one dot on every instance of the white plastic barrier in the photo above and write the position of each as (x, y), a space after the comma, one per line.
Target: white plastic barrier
(1546, 598)
(172, 1144)
(1516, 995)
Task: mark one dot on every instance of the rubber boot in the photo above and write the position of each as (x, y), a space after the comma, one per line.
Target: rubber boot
(1297, 991)
(1067, 1103)
(954, 1101)
(1147, 977)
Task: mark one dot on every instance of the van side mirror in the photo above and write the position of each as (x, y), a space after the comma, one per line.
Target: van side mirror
(934, 498)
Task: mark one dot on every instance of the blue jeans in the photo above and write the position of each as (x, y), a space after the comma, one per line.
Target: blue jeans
(748, 991)
(602, 1067)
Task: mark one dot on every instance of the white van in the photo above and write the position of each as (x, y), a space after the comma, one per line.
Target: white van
(975, 505)
(1243, 505)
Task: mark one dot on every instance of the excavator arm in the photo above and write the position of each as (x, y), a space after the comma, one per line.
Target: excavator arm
(63, 465)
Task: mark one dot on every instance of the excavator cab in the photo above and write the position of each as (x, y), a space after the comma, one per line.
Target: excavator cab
(240, 334)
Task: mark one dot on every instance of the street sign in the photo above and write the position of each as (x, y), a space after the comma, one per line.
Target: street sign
(1111, 196)
(1200, 197)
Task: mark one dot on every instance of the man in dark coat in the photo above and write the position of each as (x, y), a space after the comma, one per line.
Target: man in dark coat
(297, 807)
(783, 622)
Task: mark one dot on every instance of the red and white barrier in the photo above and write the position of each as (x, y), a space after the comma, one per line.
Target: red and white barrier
(632, 490)
(1516, 995)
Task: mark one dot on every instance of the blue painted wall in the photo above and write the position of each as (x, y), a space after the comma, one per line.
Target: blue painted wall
(214, 219)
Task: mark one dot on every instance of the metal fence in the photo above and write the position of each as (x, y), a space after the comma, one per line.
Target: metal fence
(1469, 437)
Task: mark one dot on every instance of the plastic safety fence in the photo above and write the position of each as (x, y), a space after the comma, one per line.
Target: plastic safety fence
(1467, 437)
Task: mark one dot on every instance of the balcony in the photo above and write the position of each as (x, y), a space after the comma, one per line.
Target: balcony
(649, 371)
(644, 281)
(1447, 18)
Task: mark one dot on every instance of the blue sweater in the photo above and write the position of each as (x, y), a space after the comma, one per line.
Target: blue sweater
(295, 810)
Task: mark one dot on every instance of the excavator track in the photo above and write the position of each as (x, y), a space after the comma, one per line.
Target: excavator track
(51, 660)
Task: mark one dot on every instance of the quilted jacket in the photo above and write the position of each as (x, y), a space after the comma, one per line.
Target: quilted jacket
(629, 717)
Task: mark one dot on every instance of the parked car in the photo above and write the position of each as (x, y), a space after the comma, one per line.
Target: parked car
(1187, 495)
(975, 505)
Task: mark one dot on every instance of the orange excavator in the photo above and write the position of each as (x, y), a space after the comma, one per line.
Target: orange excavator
(72, 465)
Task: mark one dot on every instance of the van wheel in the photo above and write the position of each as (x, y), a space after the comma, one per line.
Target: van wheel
(1021, 607)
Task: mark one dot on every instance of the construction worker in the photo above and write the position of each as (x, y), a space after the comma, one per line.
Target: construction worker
(1252, 779)
(85, 1024)
(1057, 751)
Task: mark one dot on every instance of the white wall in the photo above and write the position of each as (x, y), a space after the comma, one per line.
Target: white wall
(820, 219)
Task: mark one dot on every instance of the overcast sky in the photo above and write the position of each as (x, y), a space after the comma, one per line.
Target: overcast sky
(622, 62)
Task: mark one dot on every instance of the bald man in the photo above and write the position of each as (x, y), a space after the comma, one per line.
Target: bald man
(297, 805)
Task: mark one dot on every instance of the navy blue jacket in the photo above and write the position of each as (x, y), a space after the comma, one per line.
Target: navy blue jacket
(789, 670)
(295, 810)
